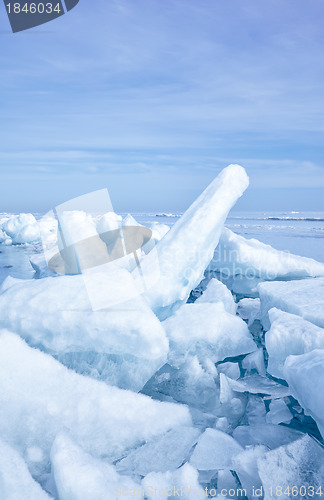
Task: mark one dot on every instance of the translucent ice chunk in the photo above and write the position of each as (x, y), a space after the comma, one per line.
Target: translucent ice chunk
(268, 435)
(279, 413)
(236, 255)
(182, 483)
(16, 482)
(295, 470)
(167, 452)
(249, 309)
(79, 476)
(55, 314)
(246, 467)
(290, 334)
(257, 384)
(208, 331)
(215, 450)
(305, 376)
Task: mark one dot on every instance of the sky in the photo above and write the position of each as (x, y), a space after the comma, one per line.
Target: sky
(152, 98)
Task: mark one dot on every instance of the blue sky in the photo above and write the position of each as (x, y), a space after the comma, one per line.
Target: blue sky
(152, 98)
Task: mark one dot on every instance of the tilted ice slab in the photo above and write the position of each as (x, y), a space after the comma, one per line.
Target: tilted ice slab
(80, 476)
(279, 412)
(16, 483)
(236, 255)
(269, 435)
(167, 452)
(290, 334)
(186, 250)
(40, 397)
(305, 376)
(295, 470)
(304, 298)
(215, 450)
(245, 465)
(216, 291)
(208, 331)
(125, 344)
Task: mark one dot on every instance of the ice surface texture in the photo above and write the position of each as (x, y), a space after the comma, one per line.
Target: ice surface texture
(215, 450)
(305, 376)
(304, 298)
(208, 331)
(42, 397)
(55, 314)
(237, 255)
(298, 466)
(79, 476)
(289, 334)
(16, 483)
(186, 250)
(216, 291)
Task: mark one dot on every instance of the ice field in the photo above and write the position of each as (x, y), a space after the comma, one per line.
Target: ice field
(162, 355)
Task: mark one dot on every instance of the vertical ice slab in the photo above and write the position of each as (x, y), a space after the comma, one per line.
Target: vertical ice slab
(186, 250)
(305, 376)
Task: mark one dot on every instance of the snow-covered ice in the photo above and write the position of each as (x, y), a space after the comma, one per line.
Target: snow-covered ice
(79, 476)
(21, 229)
(42, 397)
(289, 334)
(236, 255)
(249, 309)
(186, 250)
(182, 482)
(55, 314)
(305, 376)
(208, 331)
(191, 384)
(163, 453)
(304, 298)
(16, 482)
(216, 291)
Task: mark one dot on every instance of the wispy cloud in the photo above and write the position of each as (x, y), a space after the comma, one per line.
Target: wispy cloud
(174, 88)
